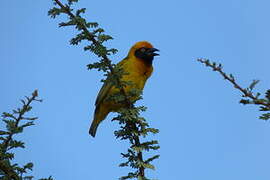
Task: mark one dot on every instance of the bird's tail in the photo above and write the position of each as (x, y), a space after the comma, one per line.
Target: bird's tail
(98, 117)
(93, 129)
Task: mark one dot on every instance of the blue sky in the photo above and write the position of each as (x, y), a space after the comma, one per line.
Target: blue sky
(204, 132)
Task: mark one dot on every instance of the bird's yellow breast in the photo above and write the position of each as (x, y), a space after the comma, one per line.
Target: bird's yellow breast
(137, 73)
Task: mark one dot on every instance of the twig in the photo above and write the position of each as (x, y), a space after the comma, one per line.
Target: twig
(91, 38)
(230, 78)
(19, 118)
(4, 163)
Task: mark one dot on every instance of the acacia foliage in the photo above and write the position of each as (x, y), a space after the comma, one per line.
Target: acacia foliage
(15, 124)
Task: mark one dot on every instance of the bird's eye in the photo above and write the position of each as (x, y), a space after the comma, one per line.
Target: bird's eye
(143, 49)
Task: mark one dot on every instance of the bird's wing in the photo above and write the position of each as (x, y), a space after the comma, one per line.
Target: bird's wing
(104, 91)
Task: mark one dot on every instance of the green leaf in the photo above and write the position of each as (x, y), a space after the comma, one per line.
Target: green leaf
(31, 123)
(16, 144)
(49, 178)
(79, 37)
(102, 38)
(70, 2)
(129, 176)
(149, 166)
(7, 155)
(98, 31)
(30, 118)
(112, 51)
(265, 116)
(253, 84)
(245, 101)
(8, 115)
(29, 166)
(92, 24)
(3, 133)
(80, 11)
(69, 23)
(152, 158)
(55, 12)
(28, 177)
(10, 125)
(267, 94)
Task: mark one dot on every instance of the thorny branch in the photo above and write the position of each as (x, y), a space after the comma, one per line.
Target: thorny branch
(129, 104)
(246, 92)
(6, 142)
(91, 38)
(19, 118)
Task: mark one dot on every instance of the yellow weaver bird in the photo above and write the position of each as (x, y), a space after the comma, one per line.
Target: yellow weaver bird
(138, 66)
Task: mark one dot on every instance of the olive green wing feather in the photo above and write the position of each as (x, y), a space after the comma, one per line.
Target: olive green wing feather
(104, 91)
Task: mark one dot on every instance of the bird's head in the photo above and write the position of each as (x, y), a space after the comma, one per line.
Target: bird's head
(144, 51)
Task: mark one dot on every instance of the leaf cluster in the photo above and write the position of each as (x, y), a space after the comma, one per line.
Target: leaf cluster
(15, 123)
(132, 127)
(88, 31)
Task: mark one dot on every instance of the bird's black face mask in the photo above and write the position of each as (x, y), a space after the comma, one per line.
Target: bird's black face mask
(146, 54)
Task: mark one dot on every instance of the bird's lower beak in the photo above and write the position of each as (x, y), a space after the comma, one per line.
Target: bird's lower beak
(151, 52)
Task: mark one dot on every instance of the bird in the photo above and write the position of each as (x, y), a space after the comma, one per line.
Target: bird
(138, 68)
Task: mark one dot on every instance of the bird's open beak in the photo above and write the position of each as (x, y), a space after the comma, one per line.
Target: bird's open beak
(151, 52)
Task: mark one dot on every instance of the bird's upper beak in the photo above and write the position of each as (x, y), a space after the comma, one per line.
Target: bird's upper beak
(151, 52)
